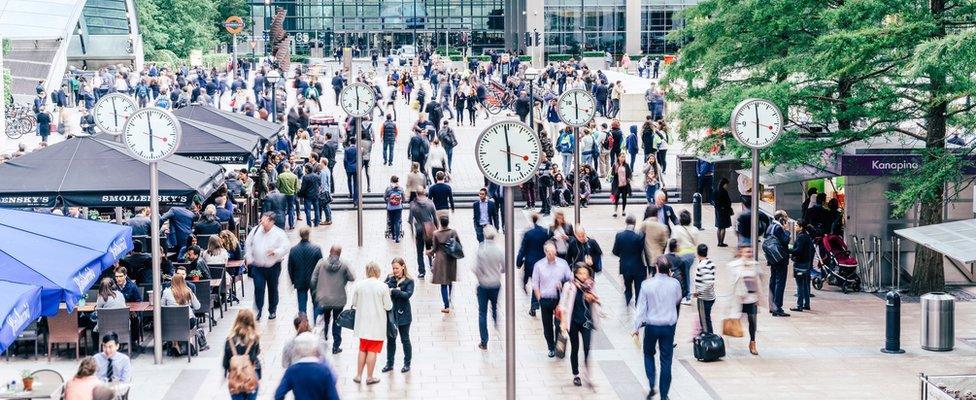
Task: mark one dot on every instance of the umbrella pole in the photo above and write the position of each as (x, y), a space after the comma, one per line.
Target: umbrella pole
(118, 215)
(157, 312)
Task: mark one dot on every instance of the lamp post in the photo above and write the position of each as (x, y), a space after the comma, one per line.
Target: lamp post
(274, 77)
(530, 75)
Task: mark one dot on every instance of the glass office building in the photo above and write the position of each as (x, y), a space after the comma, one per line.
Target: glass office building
(569, 26)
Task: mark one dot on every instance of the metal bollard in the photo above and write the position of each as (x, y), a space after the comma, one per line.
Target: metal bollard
(696, 204)
(892, 323)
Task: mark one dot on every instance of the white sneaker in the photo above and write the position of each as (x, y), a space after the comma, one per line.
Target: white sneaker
(685, 302)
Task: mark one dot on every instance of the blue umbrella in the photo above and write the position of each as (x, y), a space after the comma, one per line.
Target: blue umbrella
(62, 255)
(19, 306)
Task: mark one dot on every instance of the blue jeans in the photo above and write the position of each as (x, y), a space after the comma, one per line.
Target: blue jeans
(446, 295)
(394, 220)
(327, 210)
(290, 210)
(312, 203)
(486, 295)
(649, 192)
(245, 396)
(450, 157)
(663, 338)
(302, 300)
(388, 152)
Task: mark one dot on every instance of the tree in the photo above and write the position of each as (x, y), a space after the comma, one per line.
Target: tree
(853, 69)
(185, 25)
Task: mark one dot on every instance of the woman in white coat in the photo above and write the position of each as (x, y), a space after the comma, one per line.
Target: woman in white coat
(371, 300)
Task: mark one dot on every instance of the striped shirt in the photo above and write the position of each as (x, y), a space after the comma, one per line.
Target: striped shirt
(705, 279)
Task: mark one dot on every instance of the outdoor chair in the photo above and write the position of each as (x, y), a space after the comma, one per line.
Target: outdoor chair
(206, 305)
(203, 240)
(31, 334)
(63, 328)
(217, 271)
(176, 327)
(116, 320)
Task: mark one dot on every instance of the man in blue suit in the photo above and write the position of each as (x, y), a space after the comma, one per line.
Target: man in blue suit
(180, 225)
(530, 252)
(629, 246)
(485, 213)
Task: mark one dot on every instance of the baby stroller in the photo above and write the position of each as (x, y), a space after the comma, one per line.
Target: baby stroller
(838, 265)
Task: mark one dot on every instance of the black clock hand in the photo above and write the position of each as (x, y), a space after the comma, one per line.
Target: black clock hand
(757, 120)
(115, 113)
(508, 149)
(151, 136)
(576, 103)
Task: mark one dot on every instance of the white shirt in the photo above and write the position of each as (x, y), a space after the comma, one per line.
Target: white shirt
(303, 148)
(658, 302)
(259, 243)
(437, 158)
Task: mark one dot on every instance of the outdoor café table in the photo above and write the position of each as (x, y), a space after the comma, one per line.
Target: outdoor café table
(39, 391)
(138, 308)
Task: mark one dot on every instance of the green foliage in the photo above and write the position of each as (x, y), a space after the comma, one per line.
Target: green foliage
(299, 58)
(166, 58)
(483, 57)
(216, 60)
(593, 54)
(559, 57)
(185, 25)
(524, 58)
(227, 8)
(8, 82)
(456, 57)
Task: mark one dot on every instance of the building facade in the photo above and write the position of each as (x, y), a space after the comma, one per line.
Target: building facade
(567, 26)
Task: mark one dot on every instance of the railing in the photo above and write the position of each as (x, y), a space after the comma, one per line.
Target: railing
(946, 387)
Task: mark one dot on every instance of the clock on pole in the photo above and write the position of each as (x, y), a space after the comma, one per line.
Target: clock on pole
(152, 134)
(576, 107)
(508, 153)
(357, 99)
(111, 112)
(757, 123)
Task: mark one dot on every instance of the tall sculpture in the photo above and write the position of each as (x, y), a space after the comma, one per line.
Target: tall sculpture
(280, 41)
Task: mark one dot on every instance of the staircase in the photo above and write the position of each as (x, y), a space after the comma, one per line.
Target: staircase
(464, 200)
(31, 61)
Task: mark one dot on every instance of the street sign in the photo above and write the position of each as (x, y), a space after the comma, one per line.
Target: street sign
(234, 24)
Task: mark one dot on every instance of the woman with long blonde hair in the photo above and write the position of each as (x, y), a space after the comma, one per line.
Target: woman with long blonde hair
(179, 294)
(243, 340)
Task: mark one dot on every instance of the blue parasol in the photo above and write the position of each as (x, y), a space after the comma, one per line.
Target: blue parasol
(62, 255)
(19, 306)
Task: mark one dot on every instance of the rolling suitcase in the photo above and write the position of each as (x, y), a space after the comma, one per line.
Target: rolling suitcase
(708, 346)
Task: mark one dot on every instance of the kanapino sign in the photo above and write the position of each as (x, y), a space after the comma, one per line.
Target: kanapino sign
(887, 164)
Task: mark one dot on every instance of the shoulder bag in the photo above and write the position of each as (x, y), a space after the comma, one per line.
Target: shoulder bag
(347, 318)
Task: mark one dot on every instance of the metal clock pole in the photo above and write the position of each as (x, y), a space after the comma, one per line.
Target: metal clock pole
(357, 130)
(509, 201)
(576, 176)
(156, 251)
(755, 204)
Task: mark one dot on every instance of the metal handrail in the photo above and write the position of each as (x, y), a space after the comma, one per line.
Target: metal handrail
(929, 390)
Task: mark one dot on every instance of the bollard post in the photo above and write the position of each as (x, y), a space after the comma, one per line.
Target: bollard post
(696, 204)
(892, 323)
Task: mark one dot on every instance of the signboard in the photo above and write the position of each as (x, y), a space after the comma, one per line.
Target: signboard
(887, 164)
(234, 24)
(219, 158)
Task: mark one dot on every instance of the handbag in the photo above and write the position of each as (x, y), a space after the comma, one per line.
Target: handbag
(347, 319)
(325, 197)
(773, 250)
(730, 327)
(561, 340)
(453, 249)
(391, 326)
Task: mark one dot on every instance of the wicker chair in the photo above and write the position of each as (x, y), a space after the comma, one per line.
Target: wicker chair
(116, 320)
(63, 328)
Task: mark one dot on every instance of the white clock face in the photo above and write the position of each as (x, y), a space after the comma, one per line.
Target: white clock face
(111, 111)
(357, 99)
(152, 134)
(508, 153)
(757, 123)
(576, 107)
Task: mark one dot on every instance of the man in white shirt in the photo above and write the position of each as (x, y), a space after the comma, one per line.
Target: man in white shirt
(112, 366)
(657, 313)
(266, 246)
(548, 276)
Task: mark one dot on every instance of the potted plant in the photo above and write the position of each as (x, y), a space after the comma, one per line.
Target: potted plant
(28, 378)
(195, 275)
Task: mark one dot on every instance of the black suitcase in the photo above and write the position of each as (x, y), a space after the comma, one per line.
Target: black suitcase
(708, 346)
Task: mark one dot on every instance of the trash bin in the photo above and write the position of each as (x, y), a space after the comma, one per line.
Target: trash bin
(938, 326)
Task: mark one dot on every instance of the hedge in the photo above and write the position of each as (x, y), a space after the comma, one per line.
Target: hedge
(483, 57)
(456, 57)
(299, 58)
(216, 60)
(525, 58)
(559, 57)
(593, 54)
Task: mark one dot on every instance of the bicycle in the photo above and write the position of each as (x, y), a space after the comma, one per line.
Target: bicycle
(498, 98)
(20, 121)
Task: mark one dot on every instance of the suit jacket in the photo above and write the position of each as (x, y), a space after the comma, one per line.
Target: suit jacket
(655, 238)
(629, 246)
(669, 217)
(531, 249)
(275, 201)
(492, 213)
(301, 263)
(140, 225)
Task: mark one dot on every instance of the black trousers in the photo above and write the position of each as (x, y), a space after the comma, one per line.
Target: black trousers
(549, 324)
(707, 306)
(330, 317)
(266, 277)
(777, 285)
(576, 330)
(632, 286)
(404, 332)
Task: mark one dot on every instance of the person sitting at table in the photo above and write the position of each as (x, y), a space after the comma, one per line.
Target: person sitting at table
(233, 245)
(126, 286)
(208, 223)
(196, 263)
(190, 242)
(113, 366)
(181, 270)
(80, 387)
(215, 254)
(225, 212)
(137, 260)
(180, 294)
(108, 297)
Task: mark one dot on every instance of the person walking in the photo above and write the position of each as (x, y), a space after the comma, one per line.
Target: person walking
(705, 284)
(723, 211)
(424, 222)
(620, 183)
(444, 265)
(485, 214)
(580, 310)
(329, 281)
(288, 185)
(308, 378)
(629, 246)
(657, 314)
(531, 250)
(309, 192)
(241, 361)
(686, 237)
(349, 165)
(393, 196)
(655, 234)
(488, 269)
(802, 253)
(778, 271)
(582, 248)
(371, 300)
(325, 192)
(301, 264)
(548, 277)
(266, 247)
(401, 288)
(389, 133)
(744, 292)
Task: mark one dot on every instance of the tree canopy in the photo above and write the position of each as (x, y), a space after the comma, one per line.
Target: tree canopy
(178, 26)
(843, 71)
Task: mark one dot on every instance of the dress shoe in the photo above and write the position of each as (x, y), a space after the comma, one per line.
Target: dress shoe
(753, 349)
(272, 316)
(531, 313)
(387, 368)
(336, 350)
(797, 309)
(257, 317)
(577, 381)
(780, 314)
(405, 369)
(482, 346)
(552, 353)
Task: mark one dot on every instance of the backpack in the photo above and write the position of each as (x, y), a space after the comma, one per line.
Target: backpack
(396, 198)
(242, 377)
(447, 136)
(607, 141)
(565, 144)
